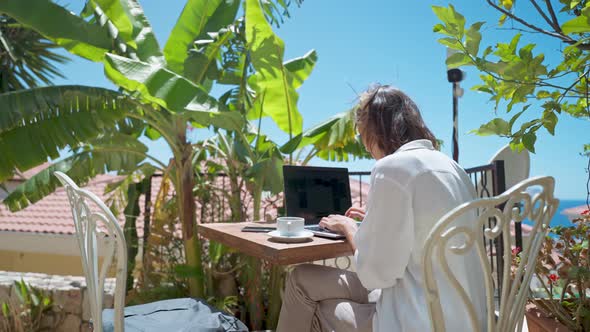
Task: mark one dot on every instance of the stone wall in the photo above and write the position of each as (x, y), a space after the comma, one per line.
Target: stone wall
(68, 293)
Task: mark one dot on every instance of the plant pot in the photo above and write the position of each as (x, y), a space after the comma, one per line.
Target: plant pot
(539, 322)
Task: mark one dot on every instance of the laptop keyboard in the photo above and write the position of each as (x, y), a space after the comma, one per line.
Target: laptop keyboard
(316, 228)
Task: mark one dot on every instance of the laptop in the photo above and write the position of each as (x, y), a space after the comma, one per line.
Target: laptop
(316, 192)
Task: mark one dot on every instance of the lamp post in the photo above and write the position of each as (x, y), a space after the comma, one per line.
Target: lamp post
(454, 76)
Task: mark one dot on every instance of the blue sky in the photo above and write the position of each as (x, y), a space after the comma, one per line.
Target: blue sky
(390, 42)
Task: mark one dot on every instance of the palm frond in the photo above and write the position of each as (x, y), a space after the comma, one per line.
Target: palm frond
(36, 124)
(110, 153)
(27, 59)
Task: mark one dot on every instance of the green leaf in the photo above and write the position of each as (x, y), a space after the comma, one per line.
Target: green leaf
(458, 60)
(226, 120)
(5, 309)
(529, 140)
(454, 22)
(502, 19)
(272, 78)
(111, 153)
(473, 38)
(119, 193)
(300, 68)
(439, 28)
(580, 24)
(268, 171)
(197, 18)
(217, 251)
(496, 126)
(152, 133)
(67, 30)
(507, 52)
(519, 95)
(143, 35)
(202, 63)
(333, 139)
(549, 121)
(186, 271)
(293, 144)
(113, 9)
(451, 43)
(155, 83)
(34, 299)
(515, 117)
(36, 124)
(21, 291)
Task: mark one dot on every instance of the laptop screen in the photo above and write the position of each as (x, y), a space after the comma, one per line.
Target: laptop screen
(316, 192)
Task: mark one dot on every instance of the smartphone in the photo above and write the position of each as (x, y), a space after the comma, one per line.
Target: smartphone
(258, 229)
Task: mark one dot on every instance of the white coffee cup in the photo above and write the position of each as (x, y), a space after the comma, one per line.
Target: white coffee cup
(290, 226)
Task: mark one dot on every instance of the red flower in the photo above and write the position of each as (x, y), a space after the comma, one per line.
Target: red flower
(553, 277)
(587, 212)
(516, 250)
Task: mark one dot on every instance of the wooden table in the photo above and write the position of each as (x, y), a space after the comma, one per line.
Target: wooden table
(259, 244)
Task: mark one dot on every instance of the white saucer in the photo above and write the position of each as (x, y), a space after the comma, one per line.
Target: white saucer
(301, 237)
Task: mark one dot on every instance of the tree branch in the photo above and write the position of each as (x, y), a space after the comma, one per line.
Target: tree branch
(557, 27)
(572, 86)
(519, 29)
(531, 26)
(545, 17)
(540, 83)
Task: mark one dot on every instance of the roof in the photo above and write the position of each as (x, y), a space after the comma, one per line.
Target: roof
(22, 176)
(52, 214)
(575, 212)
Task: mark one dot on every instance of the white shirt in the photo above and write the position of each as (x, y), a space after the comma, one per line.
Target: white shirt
(410, 191)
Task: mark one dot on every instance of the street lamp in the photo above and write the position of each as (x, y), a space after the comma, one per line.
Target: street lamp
(454, 76)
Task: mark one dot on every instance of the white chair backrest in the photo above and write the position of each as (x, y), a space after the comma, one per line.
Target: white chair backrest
(449, 238)
(86, 222)
(517, 165)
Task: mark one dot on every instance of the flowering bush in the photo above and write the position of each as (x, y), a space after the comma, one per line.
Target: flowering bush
(563, 275)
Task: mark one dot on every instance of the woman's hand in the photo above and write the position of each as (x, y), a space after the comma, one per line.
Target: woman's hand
(341, 224)
(356, 213)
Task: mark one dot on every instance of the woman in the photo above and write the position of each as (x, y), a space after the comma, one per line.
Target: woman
(412, 186)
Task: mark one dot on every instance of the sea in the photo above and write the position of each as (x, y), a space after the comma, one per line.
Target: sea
(562, 220)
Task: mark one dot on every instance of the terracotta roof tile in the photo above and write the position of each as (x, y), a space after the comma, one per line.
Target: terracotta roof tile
(21, 176)
(52, 214)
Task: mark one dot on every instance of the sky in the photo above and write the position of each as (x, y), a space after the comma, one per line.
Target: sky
(389, 42)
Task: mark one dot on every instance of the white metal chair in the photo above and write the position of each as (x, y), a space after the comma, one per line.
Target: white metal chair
(453, 237)
(169, 315)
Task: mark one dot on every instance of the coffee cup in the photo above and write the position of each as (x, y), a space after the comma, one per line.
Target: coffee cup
(290, 226)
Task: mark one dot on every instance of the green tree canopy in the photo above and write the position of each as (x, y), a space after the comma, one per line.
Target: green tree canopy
(520, 79)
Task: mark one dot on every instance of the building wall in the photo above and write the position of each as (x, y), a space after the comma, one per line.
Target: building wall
(56, 254)
(19, 261)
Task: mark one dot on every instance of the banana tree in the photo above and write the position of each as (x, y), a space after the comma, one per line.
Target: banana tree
(262, 84)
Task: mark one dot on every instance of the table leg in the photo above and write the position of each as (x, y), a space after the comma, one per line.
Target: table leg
(277, 276)
(251, 279)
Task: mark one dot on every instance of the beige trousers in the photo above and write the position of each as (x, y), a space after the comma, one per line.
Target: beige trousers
(321, 298)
